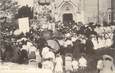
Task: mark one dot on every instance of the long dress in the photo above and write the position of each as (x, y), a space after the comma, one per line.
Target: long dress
(108, 67)
(89, 47)
(48, 65)
(82, 62)
(45, 51)
(59, 65)
(68, 63)
(75, 65)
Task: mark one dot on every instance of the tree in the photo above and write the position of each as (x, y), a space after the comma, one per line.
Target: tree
(8, 10)
(8, 7)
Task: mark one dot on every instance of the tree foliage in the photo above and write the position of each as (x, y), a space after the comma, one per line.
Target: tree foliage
(8, 7)
(8, 10)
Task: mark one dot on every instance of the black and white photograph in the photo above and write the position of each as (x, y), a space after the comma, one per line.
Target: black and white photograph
(57, 36)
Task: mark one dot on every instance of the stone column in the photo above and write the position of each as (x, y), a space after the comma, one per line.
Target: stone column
(113, 11)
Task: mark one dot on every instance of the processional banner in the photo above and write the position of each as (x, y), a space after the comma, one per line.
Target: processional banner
(23, 24)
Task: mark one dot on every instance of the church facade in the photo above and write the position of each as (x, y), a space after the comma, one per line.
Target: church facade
(73, 10)
(62, 10)
(69, 10)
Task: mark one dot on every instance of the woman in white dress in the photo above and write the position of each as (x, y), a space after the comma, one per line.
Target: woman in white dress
(68, 63)
(59, 64)
(108, 66)
(82, 62)
(48, 64)
(75, 65)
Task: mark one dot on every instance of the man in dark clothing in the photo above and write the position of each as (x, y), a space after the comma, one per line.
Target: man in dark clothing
(78, 49)
(23, 57)
(89, 46)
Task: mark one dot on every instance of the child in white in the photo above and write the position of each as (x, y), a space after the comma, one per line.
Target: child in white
(99, 65)
(68, 63)
(50, 55)
(75, 65)
(108, 66)
(45, 51)
(59, 64)
(82, 62)
(48, 64)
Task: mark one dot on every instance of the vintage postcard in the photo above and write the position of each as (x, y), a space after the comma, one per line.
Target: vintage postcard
(57, 36)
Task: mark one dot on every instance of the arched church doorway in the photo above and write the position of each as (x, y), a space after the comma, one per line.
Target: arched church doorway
(67, 18)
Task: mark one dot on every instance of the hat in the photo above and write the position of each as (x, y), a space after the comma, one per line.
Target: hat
(24, 38)
(107, 56)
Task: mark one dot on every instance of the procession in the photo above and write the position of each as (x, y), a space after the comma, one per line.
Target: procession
(52, 36)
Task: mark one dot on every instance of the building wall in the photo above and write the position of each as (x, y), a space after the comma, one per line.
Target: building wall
(91, 10)
(113, 10)
(74, 6)
(105, 10)
(88, 10)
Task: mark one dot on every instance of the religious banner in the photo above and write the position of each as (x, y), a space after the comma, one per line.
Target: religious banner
(51, 26)
(23, 24)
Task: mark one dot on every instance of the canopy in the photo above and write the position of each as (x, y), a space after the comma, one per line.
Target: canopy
(54, 45)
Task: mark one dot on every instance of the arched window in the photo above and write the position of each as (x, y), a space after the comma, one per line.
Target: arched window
(67, 6)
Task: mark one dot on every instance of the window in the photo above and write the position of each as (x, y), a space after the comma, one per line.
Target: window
(109, 16)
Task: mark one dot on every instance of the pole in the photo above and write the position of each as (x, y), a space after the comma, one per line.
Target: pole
(112, 12)
(84, 9)
(34, 8)
(98, 21)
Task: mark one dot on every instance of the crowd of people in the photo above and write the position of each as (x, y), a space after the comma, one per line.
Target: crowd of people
(64, 52)
(55, 46)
